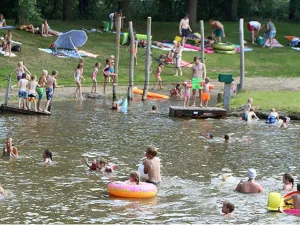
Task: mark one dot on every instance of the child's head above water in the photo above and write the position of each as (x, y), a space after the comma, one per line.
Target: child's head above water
(154, 107)
(288, 178)
(209, 136)
(47, 154)
(228, 207)
(151, 152)
(134, 176)
(226, 137)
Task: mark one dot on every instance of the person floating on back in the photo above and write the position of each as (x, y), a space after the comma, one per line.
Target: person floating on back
(152, 166)
(47, 156)
(250, 186)
(295, 197)
(288, 182)
(227, 208)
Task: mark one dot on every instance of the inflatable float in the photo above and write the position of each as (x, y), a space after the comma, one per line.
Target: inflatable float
(208, 51)
(223, 46)
(227, 52)
(139, 37)
(150, 94)
(276, 203)
(122, 189)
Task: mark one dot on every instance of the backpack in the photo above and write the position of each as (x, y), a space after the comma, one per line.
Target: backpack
(260, 41)
(16, 48)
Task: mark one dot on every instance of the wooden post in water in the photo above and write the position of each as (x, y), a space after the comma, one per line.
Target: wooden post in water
(117, 56)
(242, 55)
(131, 68)
(7, 90)
(202, 41)
(227, 95)
(147, 63)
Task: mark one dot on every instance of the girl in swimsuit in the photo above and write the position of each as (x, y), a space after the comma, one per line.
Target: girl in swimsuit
(158, 77)
(94, 75)
(105, 74)
(134, 50)
(77, 77)
(8, 40)
(20, 70)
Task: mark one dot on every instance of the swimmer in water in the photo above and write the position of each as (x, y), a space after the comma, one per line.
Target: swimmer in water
(295, 197)
(116, 106)
(227, 208)
(9, 150)
(153, 109)
(209, 136)
(101, 165)
(226, 138)
(47, 156)
(285, 122)
(250, 186)
(288, 182)
(246, 109)
(134, 178)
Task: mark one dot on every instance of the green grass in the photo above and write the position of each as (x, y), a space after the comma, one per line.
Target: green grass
(283, 101)
(261, 62)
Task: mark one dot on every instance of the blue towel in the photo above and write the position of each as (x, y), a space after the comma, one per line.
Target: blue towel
(7, 27)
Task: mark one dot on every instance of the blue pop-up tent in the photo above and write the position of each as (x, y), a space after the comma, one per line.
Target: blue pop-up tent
(72, 39)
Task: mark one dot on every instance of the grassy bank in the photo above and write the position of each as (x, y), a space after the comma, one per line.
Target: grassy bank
(261, 62)
(282, 101)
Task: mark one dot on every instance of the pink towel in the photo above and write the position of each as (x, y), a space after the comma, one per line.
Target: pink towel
(275, 43)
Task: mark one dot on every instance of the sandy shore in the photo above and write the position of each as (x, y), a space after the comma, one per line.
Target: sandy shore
(250, 84)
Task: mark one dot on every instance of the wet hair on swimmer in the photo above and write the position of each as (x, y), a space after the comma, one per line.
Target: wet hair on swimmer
(136, 176)
(24, 76)
(289, 177)
(48, 154)
(230, 206)
(226, 137)
(154, 107)
(151, 151)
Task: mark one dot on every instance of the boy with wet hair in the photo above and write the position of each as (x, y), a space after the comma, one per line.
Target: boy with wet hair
(226, 138)
(227, 208)
(152, 166)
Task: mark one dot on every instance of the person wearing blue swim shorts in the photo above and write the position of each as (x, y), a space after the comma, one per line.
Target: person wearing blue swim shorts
(217, 30)
(270, 32)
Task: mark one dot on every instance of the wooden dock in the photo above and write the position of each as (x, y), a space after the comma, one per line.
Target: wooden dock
(197, 112)
(10, 109)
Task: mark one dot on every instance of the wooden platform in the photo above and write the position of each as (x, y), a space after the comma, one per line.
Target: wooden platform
(197, 112)
(9, 109)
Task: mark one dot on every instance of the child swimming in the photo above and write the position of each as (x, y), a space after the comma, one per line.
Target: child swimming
(101, 165)
(246, 109)
(227, 208)
(295, 197)
(285, 122)
(134, 178)
(226, 138)
(288, 182)
(47, 156)
(9, 150)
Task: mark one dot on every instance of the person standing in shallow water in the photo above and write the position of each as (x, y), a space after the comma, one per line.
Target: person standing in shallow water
(9, 150)
(250, 186)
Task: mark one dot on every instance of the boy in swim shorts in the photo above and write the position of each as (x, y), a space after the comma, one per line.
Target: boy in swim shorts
(217, 30)
(50, 85)
(205, 96)
(40, 89)
(152, 166)
(23, 83)
(32, 92)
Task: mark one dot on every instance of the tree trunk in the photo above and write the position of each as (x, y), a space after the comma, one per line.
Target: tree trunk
(192, 11)
(84, 9)
(165, 8)
(125, 6)
(292, 9)
(67, 9)
(233, 9)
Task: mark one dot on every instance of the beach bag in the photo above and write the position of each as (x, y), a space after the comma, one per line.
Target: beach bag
(16, 48)
(260, 41)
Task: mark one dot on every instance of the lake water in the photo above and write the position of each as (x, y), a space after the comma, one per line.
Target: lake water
(191, 190)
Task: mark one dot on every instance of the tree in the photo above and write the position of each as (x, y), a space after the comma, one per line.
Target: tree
(292, 9)
(233, 10)
(192, 11)
(125, 6)
(67, 10)
(26, 11)
(84, 9)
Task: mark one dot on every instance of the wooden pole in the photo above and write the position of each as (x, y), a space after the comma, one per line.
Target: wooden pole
(7, 90)
(117, 56)
(227, 96)
(242, 55)
(147, 63)
(202, 41)
(131, 68)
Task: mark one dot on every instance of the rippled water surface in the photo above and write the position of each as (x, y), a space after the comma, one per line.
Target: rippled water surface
(191, 190)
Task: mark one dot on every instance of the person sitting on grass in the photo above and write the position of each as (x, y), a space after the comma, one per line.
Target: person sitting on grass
(45, 28)
(209, 42)
(32, 29)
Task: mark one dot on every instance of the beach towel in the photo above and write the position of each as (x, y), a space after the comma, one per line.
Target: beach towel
(246, 48)
(290, 38)
(297, 49)
(7, 28)
(63, 53)
(182, 63)
(171, 46)
(275, 43)
(6, 55)
(13, 42)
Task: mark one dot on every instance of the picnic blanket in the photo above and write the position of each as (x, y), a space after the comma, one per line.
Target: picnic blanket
(246, 48)
(171, 46)
(7, 28)
(63, 53)
(275, 43)
(297, 49)
(3, 53)
(14, 42)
